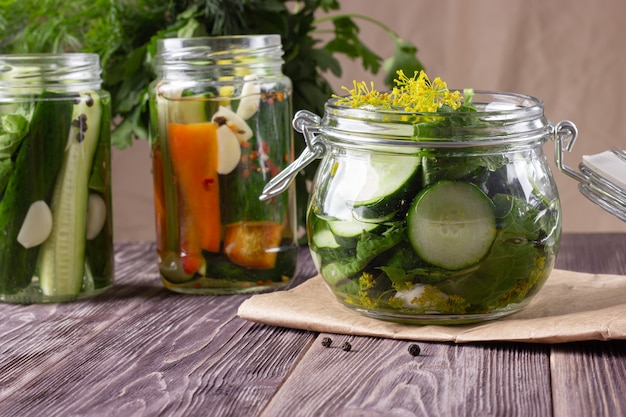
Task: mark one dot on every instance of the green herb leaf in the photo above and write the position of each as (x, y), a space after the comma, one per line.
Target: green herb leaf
(404, 58)
(347, 41)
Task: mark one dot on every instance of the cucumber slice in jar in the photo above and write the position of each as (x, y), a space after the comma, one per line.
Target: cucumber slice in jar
(452, 225)
(184, 107)
(348, 232)
(61, 259)
(321, 235)
(370, 187)
(390, 182)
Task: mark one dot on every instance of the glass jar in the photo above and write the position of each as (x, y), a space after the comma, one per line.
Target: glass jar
(220, 130)
(55, 186)
(442, 218)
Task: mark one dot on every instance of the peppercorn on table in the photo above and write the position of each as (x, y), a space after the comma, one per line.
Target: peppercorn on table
(140, 350)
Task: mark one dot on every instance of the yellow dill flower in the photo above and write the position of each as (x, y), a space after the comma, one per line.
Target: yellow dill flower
(456, 305)
(523, 286)
(362, 95)
(366, 281)
(366, 300)
(415, 94)
(419, 94)
(433, 299)
(395, 302)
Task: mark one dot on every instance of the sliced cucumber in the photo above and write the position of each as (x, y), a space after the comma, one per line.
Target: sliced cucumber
(62, 256)
(321, 235)
(326, 247)
(32, 178)
(185, 108)
(325, 239)
(350, 228)
(386, 176)
(370, 187)
(391, 181)
(348, 232)
(452, 224)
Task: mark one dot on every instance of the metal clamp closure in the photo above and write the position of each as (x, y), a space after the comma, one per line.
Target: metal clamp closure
(308, 124)
(565, 137)
(598, 189)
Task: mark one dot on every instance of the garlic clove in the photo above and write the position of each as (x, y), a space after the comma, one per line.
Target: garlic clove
(37, 225)
(236, 124)
(228, 150)
(250, 98)
(96, 215)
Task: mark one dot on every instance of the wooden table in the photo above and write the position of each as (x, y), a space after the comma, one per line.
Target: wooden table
(139, 350)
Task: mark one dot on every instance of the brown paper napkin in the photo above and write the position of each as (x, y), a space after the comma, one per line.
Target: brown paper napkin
(572, 306)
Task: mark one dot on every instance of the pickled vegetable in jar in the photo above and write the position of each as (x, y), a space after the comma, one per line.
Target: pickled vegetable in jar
(431, 205)
(55, 198)
(220, 130)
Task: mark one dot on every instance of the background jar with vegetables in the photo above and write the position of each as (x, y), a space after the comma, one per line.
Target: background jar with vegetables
(220, 130)
(55, 197)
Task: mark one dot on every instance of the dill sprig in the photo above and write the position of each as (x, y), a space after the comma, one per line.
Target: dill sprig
(411, 94)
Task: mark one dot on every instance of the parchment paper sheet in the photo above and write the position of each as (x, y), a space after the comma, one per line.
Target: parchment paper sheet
(572, 306)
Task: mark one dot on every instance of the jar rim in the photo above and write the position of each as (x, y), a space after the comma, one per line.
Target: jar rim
(193, 57)
(251, 41)
(500, 118)
(51, 56)
(29, 73)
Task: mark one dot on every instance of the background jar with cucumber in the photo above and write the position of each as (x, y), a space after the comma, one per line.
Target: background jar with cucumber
(220, 130)
(444, 217)
(55, 198)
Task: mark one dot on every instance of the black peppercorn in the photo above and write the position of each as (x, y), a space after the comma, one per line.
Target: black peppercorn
(346, 346)
(414, 350)
(327, 341)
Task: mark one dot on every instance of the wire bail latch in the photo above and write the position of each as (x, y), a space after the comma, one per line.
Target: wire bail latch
(307, 123)
(601, 177)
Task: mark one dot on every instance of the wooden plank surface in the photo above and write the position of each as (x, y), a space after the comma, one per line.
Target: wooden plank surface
(139, 350)
(589, 379)
(380, 378)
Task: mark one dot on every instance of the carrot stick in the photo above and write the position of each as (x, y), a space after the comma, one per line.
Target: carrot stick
(193, 149)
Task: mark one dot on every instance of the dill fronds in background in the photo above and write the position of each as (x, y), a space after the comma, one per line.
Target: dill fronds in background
(124, 34)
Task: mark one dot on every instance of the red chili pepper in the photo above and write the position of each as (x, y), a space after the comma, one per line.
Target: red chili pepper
(207, 183)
